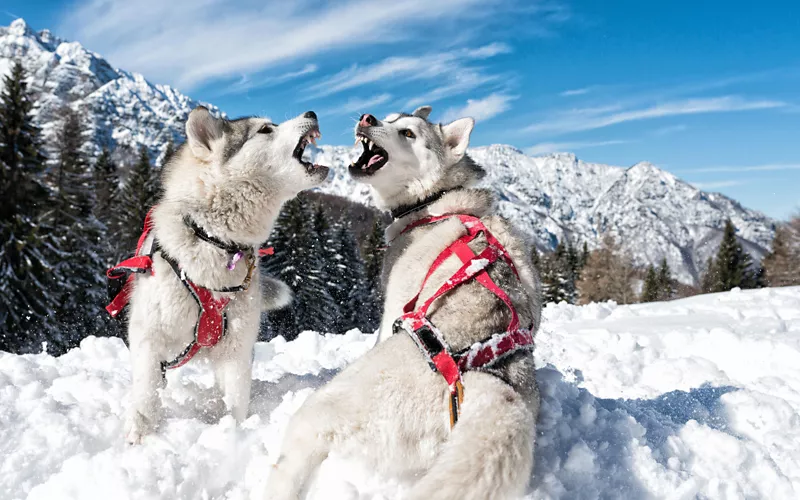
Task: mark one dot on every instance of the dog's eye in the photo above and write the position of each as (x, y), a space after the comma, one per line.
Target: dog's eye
(407, 133)
(265, 129)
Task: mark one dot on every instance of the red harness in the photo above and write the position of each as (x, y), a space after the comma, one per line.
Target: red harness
(430, 340)
(211, 322)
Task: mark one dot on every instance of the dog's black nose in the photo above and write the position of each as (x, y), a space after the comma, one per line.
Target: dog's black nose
(367, 121)
(310, 115)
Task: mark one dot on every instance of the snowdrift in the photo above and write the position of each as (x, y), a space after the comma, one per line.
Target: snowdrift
(693, 398)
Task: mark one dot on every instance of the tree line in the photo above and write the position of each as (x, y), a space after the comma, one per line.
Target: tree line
(608, 273)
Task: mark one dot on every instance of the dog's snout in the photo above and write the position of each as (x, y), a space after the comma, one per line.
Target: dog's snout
(310, 115)
(367, 121)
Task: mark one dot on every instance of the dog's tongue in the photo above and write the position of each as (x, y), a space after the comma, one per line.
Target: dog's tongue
(374, 159)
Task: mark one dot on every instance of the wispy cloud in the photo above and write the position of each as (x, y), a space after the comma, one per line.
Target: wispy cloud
(357, 105)
(773, 167)
(668, 130)
(247, 83)
(591, 118)
(561, 147)
(449, 66)
(717, 184)
(188, 42)
(481, 109)
(574, 92)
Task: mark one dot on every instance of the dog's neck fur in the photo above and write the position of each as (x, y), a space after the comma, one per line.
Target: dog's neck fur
(456, 197)
(240, 211)
(463, 173)
(471, 201)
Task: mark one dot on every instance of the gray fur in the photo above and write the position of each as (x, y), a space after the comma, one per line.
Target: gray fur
(389, 405)
(235, 199)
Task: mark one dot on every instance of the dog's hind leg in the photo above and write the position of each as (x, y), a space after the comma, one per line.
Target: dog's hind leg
(307, 442)
(489, 455)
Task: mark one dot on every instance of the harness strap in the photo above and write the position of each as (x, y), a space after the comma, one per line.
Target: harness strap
(137, 264)
(201, 233)
(430, 340)
(211, 322)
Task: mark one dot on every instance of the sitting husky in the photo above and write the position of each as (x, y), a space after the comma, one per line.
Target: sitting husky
(409, 419)
(222, 192)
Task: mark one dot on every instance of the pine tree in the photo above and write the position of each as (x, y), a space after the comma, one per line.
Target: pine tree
(558, 276)
(652, 290)
(573, 263)
(665, 289)
(25, 271)
(608, 275)
(782, 264)
(373, 251)
(106, 186)
(584, 255)
(359, 308)
(708, 278)
(79, 287)
(296, 263)
(72, 178)
(328, 284)
(135, 199)
(732, 266)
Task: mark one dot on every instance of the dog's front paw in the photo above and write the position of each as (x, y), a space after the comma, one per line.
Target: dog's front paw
(137, 426)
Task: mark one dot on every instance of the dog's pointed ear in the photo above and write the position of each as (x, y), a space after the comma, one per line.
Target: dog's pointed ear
(202, 129)
(422, 112)
(455, 136)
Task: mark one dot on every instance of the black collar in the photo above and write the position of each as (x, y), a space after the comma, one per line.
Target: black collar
(404, 210)
(200, 233)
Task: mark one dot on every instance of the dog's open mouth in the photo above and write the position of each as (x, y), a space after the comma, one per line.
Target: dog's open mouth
(371, 160)
(309, 137)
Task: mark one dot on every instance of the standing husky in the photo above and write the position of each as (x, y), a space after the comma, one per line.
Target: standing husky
(223, 190)
(390, 405)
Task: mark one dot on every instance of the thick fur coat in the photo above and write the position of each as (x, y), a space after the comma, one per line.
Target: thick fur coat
(389, 407)
(230, 178)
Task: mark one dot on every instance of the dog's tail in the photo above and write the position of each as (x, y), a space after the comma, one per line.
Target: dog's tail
(490, 452)
(276, 294)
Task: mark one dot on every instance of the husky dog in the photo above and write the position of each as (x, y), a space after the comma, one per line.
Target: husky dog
(226, 183)
(390, 405)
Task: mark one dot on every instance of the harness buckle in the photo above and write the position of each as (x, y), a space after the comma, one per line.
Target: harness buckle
(431, 343)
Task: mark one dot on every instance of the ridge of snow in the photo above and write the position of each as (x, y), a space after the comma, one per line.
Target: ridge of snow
(694, 398)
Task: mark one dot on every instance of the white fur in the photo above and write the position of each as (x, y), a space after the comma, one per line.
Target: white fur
(237, 199)
(389, 407)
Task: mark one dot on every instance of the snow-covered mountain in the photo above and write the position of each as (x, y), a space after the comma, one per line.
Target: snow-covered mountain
(652, 213)
(121, 108)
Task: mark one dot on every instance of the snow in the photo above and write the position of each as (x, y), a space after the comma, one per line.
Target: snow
(697, 397)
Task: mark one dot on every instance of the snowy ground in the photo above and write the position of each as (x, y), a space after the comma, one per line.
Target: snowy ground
(696, 398)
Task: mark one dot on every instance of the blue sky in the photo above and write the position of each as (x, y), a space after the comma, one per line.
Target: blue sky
(708, 90)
